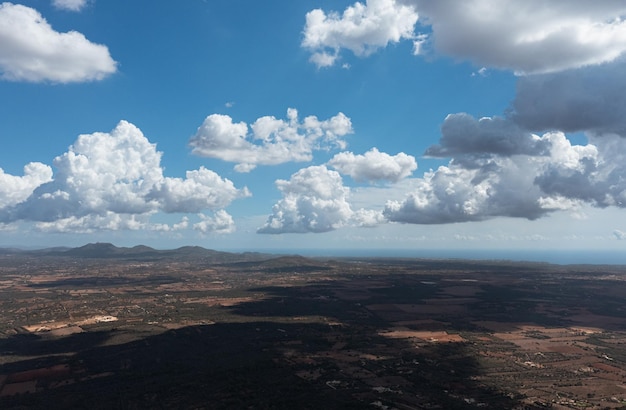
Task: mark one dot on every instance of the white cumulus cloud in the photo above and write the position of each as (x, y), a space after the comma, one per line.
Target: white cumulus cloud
(362, 29)
(268, 141)
(30, 50)
(221, 223)
(367, 218)
(16, 189)
(163, 227)
(71, 5)
(113, 181)
(95, 222)
(374, 165)
(201, 189)
(314, 200)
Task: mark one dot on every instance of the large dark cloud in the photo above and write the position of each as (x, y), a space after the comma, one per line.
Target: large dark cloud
(463, 134)
(590, 99)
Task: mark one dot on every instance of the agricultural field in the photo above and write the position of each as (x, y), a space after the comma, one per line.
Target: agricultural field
(103, 327)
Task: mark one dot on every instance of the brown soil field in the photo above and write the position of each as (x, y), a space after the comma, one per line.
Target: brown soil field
(309, 333)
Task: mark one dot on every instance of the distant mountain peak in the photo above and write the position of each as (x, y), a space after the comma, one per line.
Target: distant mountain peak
(142, 248)
(98, 245)
(95, 250)
(107, 250)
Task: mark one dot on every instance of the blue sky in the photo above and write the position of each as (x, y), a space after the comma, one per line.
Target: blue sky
(385, 124)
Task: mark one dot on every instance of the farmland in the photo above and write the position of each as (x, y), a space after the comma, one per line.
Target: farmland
(104, 328)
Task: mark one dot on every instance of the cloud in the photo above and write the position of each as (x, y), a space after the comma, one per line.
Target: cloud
(90, 223)
(457, 194)
(374, 165)
(534, 36)
(221, 223)
(114, 181)
(589, 99)
(543, 174)
(481, 72)
(15, 189)
(314, 200)
(522, 186)
(30, 50)
(619, 235)
(201, 189)
(272, 141)
(71, 5)
(362, 29)
(183, 224)
(570, 58)
(497, 169)
(324, 59)
(462, 134)
(367, 218)
(595, 173)
(109, 221)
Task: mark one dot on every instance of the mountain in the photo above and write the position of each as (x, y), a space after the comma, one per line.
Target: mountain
(146, 253)
(105, 250)
(108, 250)
(93, 250)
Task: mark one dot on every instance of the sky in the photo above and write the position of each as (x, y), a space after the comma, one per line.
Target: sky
(382, 125)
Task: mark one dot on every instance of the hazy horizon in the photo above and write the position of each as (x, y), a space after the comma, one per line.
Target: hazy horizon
(559, 256)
